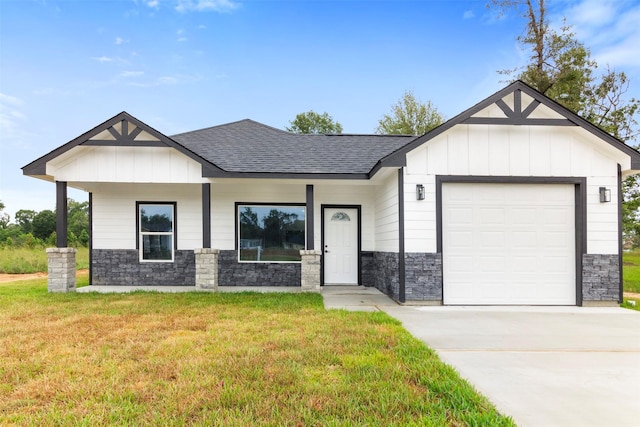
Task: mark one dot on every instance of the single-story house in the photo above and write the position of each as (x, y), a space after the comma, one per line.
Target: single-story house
(516, 200)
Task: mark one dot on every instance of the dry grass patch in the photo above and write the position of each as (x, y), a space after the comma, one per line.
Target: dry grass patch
(217, 359)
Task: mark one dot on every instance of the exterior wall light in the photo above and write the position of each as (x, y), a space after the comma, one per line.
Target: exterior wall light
(419, 192)
(605, 195)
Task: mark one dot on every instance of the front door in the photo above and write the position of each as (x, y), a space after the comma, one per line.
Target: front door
(340, 246)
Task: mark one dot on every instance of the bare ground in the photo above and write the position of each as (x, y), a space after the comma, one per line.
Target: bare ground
(15, 277)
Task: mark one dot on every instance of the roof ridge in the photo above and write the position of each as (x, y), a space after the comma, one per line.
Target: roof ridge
(230, 124)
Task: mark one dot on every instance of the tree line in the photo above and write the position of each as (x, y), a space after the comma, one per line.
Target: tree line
(38, 229)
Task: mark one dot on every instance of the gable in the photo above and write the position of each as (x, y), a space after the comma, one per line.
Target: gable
(121, 131)
(518, 105)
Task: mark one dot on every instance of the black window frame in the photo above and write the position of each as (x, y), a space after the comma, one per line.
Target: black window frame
(174, 206)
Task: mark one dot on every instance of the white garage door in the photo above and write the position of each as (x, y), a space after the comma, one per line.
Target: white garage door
(508, 244)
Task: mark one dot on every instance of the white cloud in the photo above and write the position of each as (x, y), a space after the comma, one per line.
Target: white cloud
(468, 14)
(609, 28)
(166, 81)
(128, 74)
(12, 122)
(206, 5)
(120, 40)
(152, 3)
(102, 58)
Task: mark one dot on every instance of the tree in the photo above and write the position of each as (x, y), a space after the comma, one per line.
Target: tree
(561, 67)
(410, 117)
(4, 217)
(78, 217)
(314, 123)
(44, 223)
(24, 218)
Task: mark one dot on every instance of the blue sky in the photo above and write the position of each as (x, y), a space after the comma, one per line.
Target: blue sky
(179, 65)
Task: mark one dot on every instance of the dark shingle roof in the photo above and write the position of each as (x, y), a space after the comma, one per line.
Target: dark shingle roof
(251, 147)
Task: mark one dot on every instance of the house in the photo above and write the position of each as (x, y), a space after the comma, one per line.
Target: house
(514, 201)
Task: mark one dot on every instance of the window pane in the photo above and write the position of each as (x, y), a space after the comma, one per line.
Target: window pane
(157, 247)
(156, 218)
(271, 233)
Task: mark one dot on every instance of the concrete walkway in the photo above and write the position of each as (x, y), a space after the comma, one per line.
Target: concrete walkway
(543, 366)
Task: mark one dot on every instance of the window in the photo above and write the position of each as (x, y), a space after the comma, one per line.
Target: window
(270, 233)
(156, 225)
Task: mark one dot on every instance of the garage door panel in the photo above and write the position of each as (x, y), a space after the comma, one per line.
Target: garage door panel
(556, 239)
(525, 264)
(461, 239)
(521, 216)
(492, 215)
(491, 239)
(556, 216)
(524, 239)
(461, 264)
(491, 264)
(508, 243)
(461, 216)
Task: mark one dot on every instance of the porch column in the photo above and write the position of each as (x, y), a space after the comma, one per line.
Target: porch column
(310, 270)
(61, 214)
(62, 269)
(61, 260)
(206, 215)
(309, 213)
(207, 269)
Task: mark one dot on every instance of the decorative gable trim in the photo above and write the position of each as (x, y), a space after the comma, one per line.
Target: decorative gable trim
(516, 116)
(122, 130)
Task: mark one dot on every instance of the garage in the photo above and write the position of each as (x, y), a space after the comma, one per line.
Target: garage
(508, 244)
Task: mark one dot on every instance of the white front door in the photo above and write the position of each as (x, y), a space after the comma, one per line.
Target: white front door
(340, 246)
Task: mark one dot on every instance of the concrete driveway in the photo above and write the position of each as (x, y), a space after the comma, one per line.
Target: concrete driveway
(547, 366)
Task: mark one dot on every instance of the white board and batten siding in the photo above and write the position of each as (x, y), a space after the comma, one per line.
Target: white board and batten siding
(225, 195)
(386, 215)
(114, 213)
(126, 165)
(522, 151)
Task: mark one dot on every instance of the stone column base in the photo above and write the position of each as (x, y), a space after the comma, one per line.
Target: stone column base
(62, 269)
(206, 269)
(310, 270)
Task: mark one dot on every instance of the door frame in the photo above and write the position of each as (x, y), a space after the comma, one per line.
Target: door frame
(580, 211)
(359, 210)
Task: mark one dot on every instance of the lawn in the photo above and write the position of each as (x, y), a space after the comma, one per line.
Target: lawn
(631, 271)
(25, 260)
(218, 359)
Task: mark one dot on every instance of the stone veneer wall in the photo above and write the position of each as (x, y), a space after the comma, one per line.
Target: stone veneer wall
(368, 273)
(600, 277)
(234, 273)
(423, 276)
(386, 278)
(123, 267)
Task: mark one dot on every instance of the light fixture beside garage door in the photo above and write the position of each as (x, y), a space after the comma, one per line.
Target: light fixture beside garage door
(605, 195)
(419, 192)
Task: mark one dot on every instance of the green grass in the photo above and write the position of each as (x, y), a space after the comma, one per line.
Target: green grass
(631, 303)
(218, 359)
(24, 260)
(631, 271)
